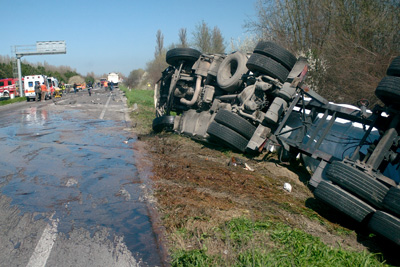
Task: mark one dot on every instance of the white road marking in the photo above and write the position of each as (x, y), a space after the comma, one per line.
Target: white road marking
(126, 114)
(105, 107)
(45, 245)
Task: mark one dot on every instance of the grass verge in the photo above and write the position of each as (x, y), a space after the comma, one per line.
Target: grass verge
(143, 115)
(218, 217)
(6, 101)
(267, 243)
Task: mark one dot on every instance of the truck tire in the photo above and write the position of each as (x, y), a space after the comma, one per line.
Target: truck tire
(388, 91)
(277, 53)
(236, 123)
(394, 68)
(392, 200)
(163, 123)
(357, 182)
(176, 55)
(386, 225)
(230, 72)
(343, 201)
(227, 136)
(268, 66)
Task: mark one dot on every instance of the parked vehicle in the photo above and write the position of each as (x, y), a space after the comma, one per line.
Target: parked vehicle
(102, 82)
(53, 85)
(8, 87)
(29, 85)
(114, 78)
(259, 101)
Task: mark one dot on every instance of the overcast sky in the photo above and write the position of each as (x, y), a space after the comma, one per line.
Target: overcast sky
(119, 35)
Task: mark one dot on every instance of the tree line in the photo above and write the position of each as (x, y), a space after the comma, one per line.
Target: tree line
(204, 38)
(349, 43)
(62, 73)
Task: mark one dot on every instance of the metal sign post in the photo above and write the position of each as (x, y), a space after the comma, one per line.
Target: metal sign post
(41, 48)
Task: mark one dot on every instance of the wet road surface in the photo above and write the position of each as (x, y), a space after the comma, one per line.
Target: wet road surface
(71, 194)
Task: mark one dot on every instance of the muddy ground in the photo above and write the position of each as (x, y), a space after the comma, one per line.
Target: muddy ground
(196, 187)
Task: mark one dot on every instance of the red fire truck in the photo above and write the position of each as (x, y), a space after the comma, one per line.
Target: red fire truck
(8, 87)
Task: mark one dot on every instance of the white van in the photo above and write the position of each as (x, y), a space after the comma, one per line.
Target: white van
(29, 85)
(53, 84)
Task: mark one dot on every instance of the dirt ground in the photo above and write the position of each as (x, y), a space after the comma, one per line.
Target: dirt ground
(200, 186)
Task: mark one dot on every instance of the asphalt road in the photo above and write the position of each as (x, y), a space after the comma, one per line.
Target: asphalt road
(71, 193)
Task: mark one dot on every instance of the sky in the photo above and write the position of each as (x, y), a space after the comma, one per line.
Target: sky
(114, 36)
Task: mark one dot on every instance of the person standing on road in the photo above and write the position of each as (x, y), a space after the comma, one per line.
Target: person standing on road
(111, 86)
(37, 91)
(75, 86)
(44, 91)
(89, 88)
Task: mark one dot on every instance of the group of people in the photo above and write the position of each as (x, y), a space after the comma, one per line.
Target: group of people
(40, 89)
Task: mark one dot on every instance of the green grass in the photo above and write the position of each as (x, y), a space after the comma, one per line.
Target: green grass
(10, 101)
(267, 243)
(141, 97)
(244, 242)
(145, 113)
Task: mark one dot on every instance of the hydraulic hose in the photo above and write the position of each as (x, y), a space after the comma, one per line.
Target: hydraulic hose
(195, 95)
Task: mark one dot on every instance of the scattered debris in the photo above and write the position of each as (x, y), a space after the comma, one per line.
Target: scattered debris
(71, 182)
(247, 167)
(287, 187)
(239, 162)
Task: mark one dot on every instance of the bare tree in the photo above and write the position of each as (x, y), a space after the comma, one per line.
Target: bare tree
(217, 45)
(155, 67)
(183, 37)
(202, 37)
(349, 42)
(134, 78)
(160, 43)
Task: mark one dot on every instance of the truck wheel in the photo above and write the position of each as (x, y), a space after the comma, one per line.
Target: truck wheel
(228, 136)
(386, 225)
(230, 72)
(163, 123)
(268, 66)
(236, 123)
(392, 200)
(176, 55)
(357, 182)
(343, 201)
(277, 53)
(394, 68)
(388, 91)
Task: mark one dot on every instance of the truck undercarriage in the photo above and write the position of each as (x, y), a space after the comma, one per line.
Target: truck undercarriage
(257, 102)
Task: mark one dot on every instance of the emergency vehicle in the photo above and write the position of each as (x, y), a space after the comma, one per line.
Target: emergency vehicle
(29, 85)
(53, 84)
(8, 87)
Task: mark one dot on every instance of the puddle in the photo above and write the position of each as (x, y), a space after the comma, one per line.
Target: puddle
(84, 170)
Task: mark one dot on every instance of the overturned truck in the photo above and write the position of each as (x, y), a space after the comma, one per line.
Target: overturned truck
(259, 101)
